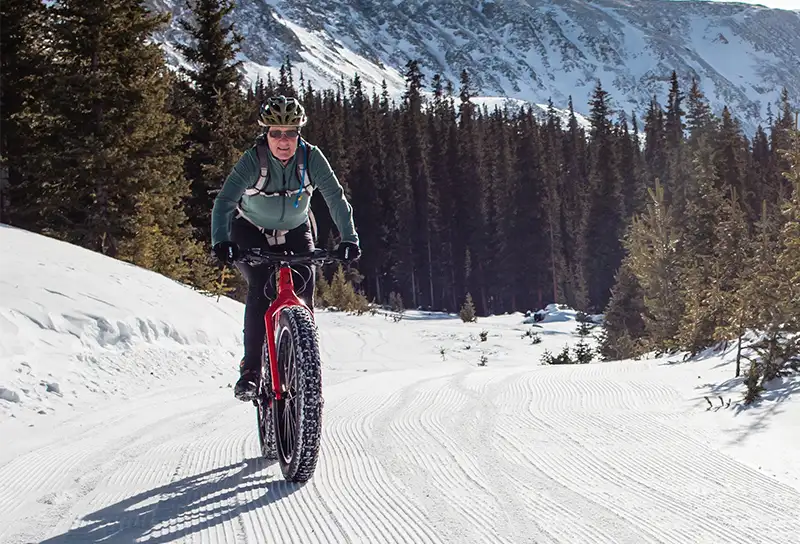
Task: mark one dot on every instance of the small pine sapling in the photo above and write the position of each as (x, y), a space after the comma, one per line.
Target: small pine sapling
(467, 312)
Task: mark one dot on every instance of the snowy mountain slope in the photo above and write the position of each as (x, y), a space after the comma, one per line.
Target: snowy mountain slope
(533, 49)
(416, 447)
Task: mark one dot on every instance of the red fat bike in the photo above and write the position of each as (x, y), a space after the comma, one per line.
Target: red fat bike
(289, 396)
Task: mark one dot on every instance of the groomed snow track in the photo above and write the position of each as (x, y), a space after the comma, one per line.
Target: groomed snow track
(590, 454)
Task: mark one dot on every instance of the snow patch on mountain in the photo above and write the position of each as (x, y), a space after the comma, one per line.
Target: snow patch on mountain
(742, 55)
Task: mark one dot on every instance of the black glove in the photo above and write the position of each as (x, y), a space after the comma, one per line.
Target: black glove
(348, 251)
(227, 252)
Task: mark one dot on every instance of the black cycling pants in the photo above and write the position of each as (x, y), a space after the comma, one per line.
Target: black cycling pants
(262, 279)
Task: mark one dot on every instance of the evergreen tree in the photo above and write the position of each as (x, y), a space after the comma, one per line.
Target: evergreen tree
(399, 207)
(217, 116)
(575, 195)
(606, 221)
(499, 169)
(115, 179)
(162, 236)
(624, 326)
(551, 138)
(471, 203)
(789, 257)
(467, 312)
(655, 149)
(729, 265)
(731, 166)
(23, 59)
(629, 169)
(652, 245)
(441, 121)
(425, 229)
(771, 289)
(286, 79)
(676, 177)
(780, 142)
(759, 171)
(697, 246)
(762, 289)
(529, 243)
(367, 150)
(699, 116)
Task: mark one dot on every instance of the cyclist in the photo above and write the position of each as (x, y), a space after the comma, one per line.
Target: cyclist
(264, 203)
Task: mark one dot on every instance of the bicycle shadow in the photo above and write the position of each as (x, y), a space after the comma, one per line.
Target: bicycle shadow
(179, 509)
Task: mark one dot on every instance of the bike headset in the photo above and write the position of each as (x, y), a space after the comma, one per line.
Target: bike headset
(273, 279)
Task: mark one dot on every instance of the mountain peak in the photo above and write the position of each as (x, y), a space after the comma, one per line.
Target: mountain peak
(532, 50)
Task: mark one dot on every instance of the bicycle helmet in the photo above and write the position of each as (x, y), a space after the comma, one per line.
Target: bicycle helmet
(282, 111)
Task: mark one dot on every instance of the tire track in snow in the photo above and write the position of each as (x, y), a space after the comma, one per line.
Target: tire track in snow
(378, 508)
(457, 471)
(584, 472)
(198, 511)
(170, 506)
(406, 454)
(75, 463)
(571, 488)
(584, 468)
(446, 480)
(629, 455)
(205, 436)
(748, 492)
(689, 474)
(567, 511)
(345, 470)
(575, 511)
(518, 518)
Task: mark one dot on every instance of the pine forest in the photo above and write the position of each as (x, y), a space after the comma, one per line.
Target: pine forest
(680, 228)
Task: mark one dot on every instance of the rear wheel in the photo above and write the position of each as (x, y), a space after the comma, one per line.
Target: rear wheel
(298, 415)
(266, 423)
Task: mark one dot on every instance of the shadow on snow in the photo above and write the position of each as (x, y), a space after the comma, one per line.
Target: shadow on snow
(182, 508)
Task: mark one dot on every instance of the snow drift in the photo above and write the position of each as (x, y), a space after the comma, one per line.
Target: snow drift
(74, 323)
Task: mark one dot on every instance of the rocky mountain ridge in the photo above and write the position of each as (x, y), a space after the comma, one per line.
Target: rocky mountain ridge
(531, 50)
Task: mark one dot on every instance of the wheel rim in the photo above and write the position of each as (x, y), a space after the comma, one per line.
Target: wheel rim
(287, 409)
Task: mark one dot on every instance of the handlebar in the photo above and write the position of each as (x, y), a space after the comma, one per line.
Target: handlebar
(258, 256)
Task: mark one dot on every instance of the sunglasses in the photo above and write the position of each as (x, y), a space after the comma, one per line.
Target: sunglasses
(287, 134)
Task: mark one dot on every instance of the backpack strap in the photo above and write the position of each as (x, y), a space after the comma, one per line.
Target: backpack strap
(303, 175)
(263, 164)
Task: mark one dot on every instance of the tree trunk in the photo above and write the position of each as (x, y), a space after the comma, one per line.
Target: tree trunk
(430, 272)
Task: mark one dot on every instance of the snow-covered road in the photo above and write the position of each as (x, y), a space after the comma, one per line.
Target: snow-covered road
(581, 454)
(417, 446)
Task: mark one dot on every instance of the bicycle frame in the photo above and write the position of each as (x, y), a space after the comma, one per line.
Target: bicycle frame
(286, 297)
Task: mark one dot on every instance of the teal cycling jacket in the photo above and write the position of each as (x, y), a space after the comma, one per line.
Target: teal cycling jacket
(280, 212)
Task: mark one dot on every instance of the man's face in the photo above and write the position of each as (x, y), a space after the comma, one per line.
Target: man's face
(282, 142)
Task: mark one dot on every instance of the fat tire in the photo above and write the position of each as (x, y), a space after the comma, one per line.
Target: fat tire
(266, 423)
(266, 430)
(296, 326)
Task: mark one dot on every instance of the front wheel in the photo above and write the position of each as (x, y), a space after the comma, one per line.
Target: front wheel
(298, 414)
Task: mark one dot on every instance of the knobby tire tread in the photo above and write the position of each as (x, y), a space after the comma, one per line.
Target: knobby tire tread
(266, 427)
(305, 338)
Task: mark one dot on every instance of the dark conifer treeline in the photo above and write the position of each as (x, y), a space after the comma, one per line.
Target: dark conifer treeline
(670, 221)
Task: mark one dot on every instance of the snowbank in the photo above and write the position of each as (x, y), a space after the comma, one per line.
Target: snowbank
(74, 323)
(553, 313)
